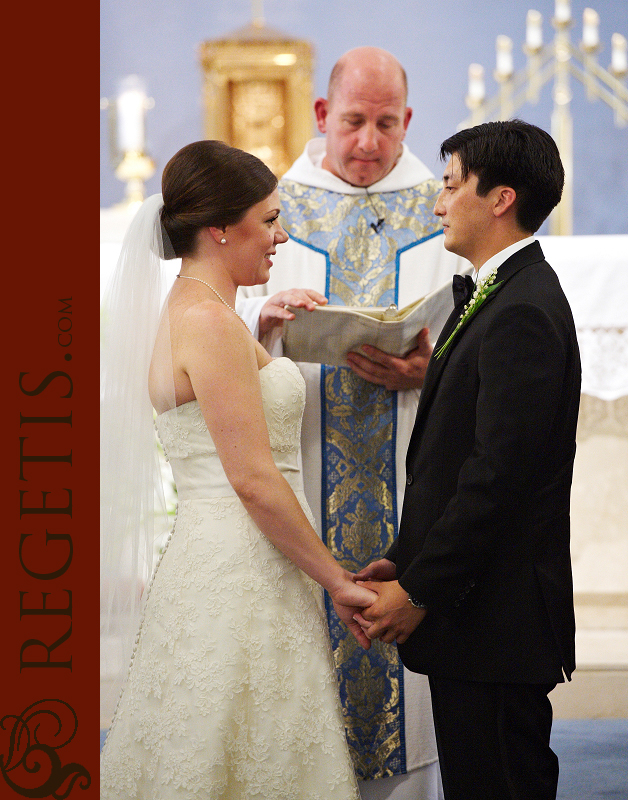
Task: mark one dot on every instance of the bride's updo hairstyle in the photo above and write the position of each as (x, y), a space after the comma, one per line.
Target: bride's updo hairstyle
(209, 184)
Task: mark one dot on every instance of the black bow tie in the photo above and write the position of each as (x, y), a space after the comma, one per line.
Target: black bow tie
(462, 287)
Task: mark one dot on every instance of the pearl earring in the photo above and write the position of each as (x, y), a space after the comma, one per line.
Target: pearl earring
(223, 240)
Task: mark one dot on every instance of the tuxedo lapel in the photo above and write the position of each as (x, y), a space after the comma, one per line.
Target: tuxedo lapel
(528, 255)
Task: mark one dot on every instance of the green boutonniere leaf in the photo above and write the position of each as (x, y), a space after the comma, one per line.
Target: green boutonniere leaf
(479, 296)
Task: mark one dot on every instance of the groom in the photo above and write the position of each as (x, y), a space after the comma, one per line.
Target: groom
(477, 589)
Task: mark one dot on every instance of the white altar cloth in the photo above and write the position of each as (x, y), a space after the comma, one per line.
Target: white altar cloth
(593, 271)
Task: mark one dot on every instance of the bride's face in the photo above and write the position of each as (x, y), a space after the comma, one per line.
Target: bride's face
(254, 240)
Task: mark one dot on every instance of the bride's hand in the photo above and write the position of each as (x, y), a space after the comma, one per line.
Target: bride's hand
(348, 599)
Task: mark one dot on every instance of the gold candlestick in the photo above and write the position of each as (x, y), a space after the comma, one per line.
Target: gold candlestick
(127, 114)
(560, 60)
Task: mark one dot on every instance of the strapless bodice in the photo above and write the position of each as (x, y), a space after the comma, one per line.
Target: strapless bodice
(191, 452)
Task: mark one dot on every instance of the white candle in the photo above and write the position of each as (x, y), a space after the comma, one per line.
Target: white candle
(504, 65)
(590, 33)
(562, 11)
(476, 82)
(619, 57)
(534, 30)
(130, 106)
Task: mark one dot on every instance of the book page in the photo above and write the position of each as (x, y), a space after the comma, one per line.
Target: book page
(326, 334)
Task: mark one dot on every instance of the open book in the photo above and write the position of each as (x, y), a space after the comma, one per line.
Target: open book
(326, 334)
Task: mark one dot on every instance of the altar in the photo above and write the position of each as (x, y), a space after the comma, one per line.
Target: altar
(593, 271)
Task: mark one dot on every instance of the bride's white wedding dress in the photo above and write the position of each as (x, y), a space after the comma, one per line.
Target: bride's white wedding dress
(232, 691)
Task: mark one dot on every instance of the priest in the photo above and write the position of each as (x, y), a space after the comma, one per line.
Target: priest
(359, 209)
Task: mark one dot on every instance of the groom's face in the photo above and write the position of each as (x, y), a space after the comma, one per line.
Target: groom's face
(465, 215)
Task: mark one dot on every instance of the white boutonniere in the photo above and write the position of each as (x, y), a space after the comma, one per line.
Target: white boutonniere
(480, 293)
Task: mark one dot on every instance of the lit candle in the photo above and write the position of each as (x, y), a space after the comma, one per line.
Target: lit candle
(130, 106)
(534, 30)
(476, 82)
(257, 7)
(590, 33)
(562, 11)
(619, 57)
(504, 65)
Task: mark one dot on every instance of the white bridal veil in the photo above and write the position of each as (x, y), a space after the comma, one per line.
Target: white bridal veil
(133, 511)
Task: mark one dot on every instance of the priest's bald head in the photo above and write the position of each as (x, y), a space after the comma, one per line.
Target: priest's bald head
(365, 116)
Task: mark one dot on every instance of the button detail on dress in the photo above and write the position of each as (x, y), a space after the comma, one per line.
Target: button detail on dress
(409, 479)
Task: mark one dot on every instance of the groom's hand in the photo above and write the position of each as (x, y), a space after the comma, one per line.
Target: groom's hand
(381, 570)
(391, 617)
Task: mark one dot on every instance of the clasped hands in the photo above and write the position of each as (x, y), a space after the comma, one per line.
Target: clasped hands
(380, 368)
(391, 617)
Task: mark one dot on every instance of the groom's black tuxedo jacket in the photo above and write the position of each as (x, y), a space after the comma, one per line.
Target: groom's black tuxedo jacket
(484, 533)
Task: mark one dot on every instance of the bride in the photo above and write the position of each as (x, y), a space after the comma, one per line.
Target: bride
(231, 691)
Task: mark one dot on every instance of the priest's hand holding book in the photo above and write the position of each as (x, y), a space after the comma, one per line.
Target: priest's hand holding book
(393, 372)
(384, 345)
(275, 310)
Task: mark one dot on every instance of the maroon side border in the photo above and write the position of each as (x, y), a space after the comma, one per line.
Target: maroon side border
(49, 726)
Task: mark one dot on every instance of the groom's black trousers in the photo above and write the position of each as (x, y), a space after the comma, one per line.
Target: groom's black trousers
(493, 740)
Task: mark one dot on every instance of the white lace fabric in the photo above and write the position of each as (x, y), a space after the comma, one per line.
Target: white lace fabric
(604, 354)
(232, 691)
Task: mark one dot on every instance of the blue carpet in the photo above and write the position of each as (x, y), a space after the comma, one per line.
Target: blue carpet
(593, 756)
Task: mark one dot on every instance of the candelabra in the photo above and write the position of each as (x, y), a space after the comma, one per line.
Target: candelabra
(127, 137)
(559, 60)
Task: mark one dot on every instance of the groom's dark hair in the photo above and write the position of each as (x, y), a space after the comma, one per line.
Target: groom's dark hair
(515, 154)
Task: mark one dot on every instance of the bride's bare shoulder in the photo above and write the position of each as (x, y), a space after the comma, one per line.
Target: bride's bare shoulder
(205, 317)
(212, 331)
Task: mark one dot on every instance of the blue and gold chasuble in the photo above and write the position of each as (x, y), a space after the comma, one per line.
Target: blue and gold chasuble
(359, 507)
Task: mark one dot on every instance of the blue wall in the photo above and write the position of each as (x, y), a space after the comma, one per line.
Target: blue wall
(435, 41)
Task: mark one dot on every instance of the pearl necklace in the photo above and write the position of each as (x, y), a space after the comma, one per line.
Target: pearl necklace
(218, 295)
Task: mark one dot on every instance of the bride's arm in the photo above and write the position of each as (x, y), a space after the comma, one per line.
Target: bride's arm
(221, 360)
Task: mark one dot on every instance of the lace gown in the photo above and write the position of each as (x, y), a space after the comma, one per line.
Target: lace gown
(232, 691)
